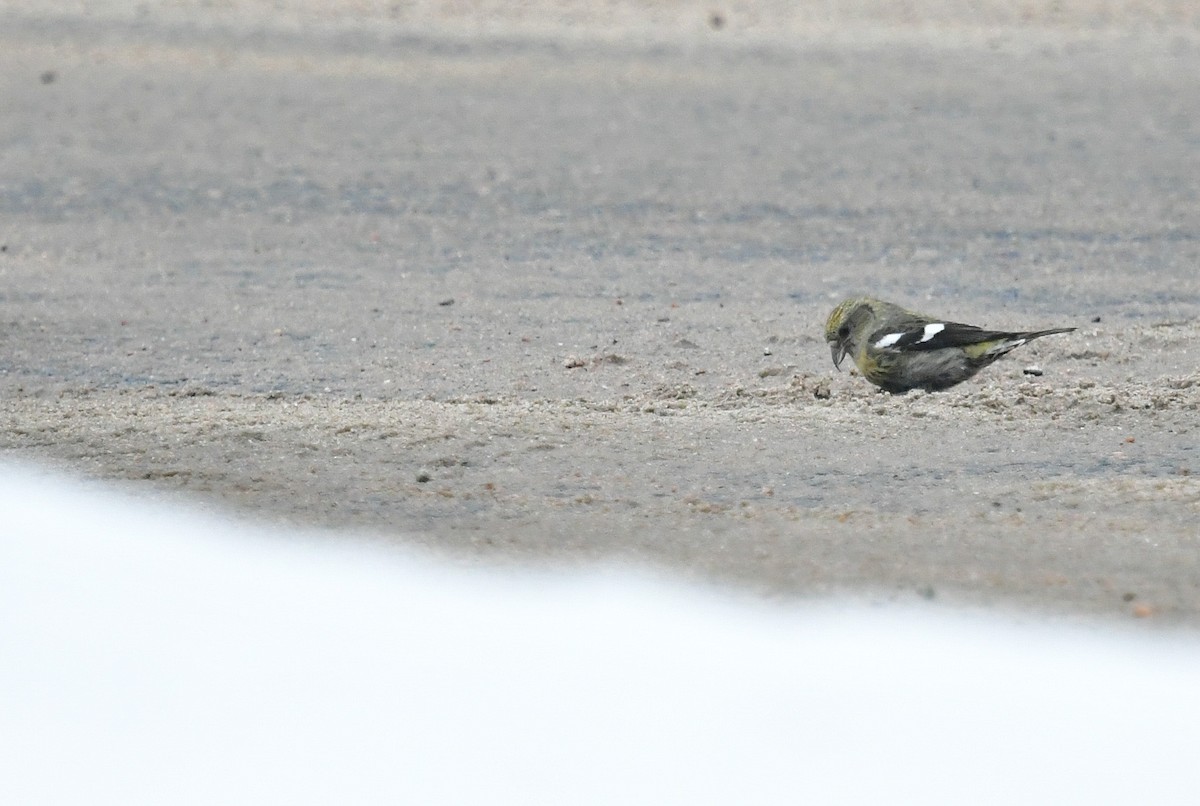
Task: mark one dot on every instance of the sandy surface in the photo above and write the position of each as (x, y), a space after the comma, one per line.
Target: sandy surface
(531, 286)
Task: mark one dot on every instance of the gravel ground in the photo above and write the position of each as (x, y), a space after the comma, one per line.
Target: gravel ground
(532, 287)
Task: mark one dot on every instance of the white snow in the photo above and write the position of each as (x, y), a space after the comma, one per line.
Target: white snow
(154, 655)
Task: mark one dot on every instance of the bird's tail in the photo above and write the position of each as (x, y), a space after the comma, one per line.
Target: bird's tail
(1037, 334)
(1003, 343)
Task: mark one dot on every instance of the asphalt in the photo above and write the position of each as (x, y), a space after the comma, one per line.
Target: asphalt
(548, 294)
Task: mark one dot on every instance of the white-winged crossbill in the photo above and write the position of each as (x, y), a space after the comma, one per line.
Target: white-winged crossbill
(899, 350)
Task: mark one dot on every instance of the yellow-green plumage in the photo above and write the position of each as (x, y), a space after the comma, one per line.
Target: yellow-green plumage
(898, 350)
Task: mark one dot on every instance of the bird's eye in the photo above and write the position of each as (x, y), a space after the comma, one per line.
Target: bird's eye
(843, 331)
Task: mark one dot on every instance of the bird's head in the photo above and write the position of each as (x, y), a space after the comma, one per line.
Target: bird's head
(845, 325)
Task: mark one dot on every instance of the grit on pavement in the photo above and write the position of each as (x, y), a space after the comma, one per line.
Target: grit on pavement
(529, 287)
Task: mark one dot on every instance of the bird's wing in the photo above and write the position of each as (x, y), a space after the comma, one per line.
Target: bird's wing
(921, 335)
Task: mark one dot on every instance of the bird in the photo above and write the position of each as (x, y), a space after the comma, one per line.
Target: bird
(899, 350)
